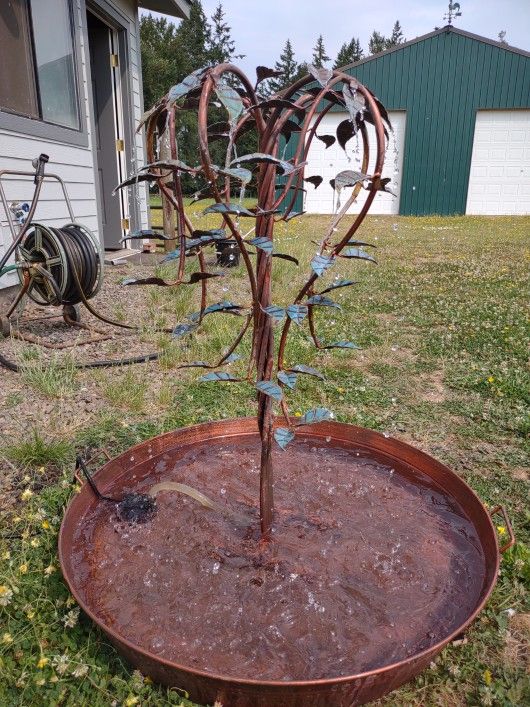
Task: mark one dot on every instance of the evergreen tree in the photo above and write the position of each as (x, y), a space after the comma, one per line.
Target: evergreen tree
(349, 53)
(194, 37)
(289, 67)
(396, 37)
(220, 45)
(376, 43)
(162, 57)
(319, 53)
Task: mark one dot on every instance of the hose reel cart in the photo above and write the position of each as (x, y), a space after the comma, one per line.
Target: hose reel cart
(55, 266)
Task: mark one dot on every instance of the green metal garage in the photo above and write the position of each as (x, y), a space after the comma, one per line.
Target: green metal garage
(460, 107)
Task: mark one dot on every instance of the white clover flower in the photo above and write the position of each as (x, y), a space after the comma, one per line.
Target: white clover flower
(6, 594)
(71, 618)
(60, 663)
(80, 671)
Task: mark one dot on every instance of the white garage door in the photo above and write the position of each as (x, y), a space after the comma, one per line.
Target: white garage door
(499, 180)
(329, 162)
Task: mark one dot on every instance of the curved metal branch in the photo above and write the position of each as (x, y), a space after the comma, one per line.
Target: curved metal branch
(211, 177)
(380, 140)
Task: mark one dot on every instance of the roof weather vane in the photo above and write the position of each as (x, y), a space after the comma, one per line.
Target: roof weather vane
(453, 11)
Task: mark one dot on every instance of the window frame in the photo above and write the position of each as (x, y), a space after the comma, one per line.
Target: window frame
(40, 128)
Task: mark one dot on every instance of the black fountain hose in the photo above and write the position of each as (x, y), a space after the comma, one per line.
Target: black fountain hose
(104, 363)
(80, 464)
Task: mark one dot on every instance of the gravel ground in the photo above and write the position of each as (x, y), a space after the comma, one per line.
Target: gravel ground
(23, 406)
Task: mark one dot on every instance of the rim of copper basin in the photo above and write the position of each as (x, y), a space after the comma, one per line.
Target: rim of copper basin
(249, 427)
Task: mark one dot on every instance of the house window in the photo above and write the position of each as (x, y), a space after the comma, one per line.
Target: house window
(38, 77)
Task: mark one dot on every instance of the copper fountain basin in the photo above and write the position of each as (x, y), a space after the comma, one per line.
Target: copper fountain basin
(381, 556)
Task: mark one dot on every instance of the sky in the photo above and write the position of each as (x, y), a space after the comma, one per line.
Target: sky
(260, 28)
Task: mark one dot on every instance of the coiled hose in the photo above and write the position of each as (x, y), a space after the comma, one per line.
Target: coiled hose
(73, 257)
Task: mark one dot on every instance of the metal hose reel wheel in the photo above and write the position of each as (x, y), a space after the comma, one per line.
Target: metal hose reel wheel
(60, 251)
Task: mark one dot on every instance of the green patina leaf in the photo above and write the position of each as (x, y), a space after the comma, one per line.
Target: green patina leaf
(283, 436)
(287, 378)
(321, 74)
(357, 253)
(321, 301)
(225, 306)
(347, 178)
(183, 329)
(341, 345)
(338, 284)
(262, 158)
(297, 312)
(271, 389)
(235, 209)
(308, 370)
(218, 376)
(276, 313)
(321, 263)
(190, 83)
(316, 415)
(240, 173)
(263, 243)
(354, 101)
(231, 100)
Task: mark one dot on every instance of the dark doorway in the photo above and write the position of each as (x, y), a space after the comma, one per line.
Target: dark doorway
(102, 41)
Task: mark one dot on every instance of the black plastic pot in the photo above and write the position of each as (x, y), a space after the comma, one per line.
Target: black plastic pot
(227, 253)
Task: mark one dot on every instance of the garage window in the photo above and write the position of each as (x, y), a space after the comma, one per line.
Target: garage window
(38, 77)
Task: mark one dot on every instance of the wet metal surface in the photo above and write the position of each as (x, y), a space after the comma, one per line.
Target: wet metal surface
(373, 562)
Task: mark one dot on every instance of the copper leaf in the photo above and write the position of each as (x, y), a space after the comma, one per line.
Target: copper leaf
(328, 140)
(316, 181)
(345, 131)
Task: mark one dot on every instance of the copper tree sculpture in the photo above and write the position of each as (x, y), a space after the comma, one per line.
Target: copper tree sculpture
(298, 109)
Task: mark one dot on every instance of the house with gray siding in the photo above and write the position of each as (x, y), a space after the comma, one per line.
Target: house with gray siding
(71, 87)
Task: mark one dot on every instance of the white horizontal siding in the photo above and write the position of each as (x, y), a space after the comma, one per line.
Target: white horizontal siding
(75, 165)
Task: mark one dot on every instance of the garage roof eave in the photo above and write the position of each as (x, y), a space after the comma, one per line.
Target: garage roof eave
(175, 8)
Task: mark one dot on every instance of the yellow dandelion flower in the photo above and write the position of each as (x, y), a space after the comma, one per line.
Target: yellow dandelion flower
(491, 379)
(131, 701)
(487, 677)
(7, 638)
(501, 529)
(6, 555)
(17, 519)
(341, 390)
(23, 569)
(35, 542)
(46, 525)
(30, 614)
(298, 414)
(49, 570)
(42, 662)
(41, 469)
(26, 494)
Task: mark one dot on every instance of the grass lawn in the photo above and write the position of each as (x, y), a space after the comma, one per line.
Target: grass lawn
(443, 332)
